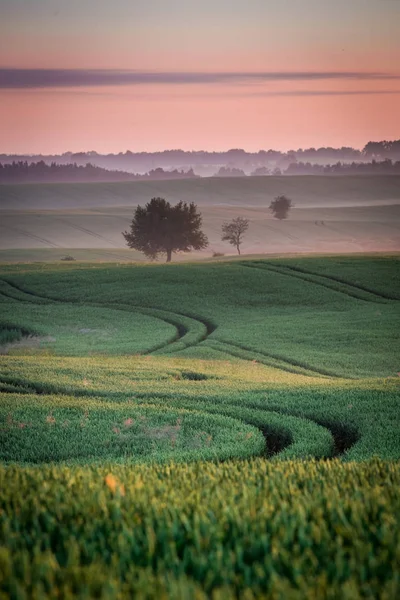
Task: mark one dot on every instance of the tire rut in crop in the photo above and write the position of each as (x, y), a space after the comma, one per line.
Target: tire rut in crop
(275, 424)
(345, 435)
(270, 360)
(12, 291)
(207, 326)
(179, 343)
(329, 283)
(173, 318)
(356, 286)
(21, 294)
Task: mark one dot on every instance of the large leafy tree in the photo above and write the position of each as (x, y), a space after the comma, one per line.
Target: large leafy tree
(280, 207)
(159, 228)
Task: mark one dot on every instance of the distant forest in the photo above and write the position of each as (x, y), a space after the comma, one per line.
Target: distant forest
(40, 172)
(24, 172)
(374, 159)
(208, 163)
(384, 167)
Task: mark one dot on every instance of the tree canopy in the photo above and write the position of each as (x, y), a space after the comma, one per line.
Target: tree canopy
(234, 231)
(159, 228)
(280, 207)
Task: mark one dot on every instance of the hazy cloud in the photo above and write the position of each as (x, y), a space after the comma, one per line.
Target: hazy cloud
(59, 78)
(325, 93)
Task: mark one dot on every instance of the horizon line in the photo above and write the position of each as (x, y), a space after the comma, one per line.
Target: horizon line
(116, 153)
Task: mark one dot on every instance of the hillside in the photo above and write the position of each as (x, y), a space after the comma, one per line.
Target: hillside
(306, 191)
(349, 214)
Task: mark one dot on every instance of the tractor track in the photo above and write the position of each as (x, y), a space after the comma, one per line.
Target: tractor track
(327, 282)
(271, 360)
(278, 437)
(178, 343)
(172, 318)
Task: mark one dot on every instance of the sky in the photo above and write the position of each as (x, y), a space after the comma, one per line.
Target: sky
(147, 75)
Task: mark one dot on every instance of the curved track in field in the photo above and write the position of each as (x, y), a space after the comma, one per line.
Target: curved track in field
(270, 360)
(355, 286)
(190, 331)
(285, 433)
(332, 283)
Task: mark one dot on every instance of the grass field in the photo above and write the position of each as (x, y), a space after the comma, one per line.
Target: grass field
(206, 430)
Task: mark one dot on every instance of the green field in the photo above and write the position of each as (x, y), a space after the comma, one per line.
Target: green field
(208, 430)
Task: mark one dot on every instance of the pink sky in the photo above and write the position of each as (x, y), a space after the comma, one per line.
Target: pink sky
(266, 37)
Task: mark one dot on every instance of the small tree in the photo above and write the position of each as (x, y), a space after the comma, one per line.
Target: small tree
(280, 207)
(234, 231)
(159, 228)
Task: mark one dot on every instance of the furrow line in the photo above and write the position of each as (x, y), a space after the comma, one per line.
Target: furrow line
(283, 430)
(175, 319)
(334, 278)
(274, 360)
(313, 278)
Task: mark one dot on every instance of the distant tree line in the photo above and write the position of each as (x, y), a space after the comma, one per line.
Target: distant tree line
(40, 172)
(383, 149)
(208, 163)
(384, 167)
(230, 172)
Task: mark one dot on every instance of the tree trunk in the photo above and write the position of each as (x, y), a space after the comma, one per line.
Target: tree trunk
(169, 254)
(238, 248)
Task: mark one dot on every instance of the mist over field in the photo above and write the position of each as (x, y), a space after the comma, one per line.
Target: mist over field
(330, 214)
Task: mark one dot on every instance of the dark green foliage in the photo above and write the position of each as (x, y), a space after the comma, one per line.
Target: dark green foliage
(12, 333)
(280, 207)
(160, 228)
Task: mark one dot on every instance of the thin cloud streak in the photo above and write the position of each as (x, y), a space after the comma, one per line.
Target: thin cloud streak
(60, 78)
(324, 93)
(219, 96)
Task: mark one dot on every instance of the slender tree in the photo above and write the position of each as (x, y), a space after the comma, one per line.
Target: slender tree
(234, 231)
(159, 228)
(280, 207)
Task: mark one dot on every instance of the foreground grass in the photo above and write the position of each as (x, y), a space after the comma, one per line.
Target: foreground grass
(248, 529)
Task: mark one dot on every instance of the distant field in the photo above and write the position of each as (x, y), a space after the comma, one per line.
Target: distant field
(331, 214)
(306, 191)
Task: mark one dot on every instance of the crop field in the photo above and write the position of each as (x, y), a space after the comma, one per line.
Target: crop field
(201, 430)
